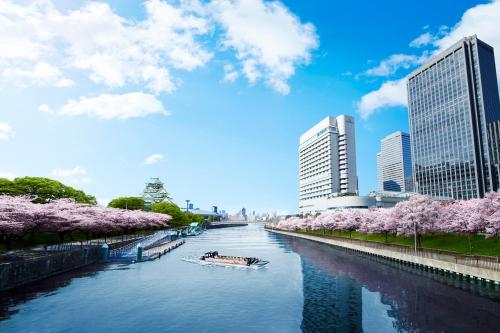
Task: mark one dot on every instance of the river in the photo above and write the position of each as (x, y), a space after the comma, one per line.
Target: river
(307, 287)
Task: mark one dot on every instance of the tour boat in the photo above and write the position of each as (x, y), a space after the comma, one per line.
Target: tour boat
(214, 258)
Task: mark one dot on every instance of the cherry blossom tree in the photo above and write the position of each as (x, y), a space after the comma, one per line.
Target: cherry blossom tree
(20, 216)
(416, 216)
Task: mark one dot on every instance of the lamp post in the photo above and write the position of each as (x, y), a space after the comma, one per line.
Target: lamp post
(415, 235)
(187, 205)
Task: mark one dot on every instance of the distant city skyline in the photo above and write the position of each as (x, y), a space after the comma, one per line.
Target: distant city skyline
(108, 94)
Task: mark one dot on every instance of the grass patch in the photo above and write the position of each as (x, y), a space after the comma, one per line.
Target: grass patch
(446, 242)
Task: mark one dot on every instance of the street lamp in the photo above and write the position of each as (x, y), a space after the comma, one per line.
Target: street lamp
(415, 235)
(187, 205)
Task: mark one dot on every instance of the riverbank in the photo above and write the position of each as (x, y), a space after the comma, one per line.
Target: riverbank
(458, 243)
(476, 267)
(41, 263)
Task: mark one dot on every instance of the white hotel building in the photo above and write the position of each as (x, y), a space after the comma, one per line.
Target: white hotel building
(327, 161)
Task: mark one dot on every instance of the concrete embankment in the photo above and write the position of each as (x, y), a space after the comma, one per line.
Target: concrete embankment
(17, 273)
(43, 265)
(475, 267)
(218, 225)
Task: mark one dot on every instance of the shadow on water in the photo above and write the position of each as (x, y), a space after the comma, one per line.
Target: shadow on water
(47, 287)
(335, 283)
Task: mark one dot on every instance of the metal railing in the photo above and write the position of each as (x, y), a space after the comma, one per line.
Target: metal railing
(130, 249)
(487, 262)
(72, 246)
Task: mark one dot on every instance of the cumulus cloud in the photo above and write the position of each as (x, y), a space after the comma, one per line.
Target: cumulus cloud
(394, 62)
(153, 159)
(269, 40)
(390, 94)
(109, 106)
(482, 20)
(42, 74)
(45, 108)
(8, 175)
(424, 39)
(113, 50)
(6, 131)
(230, 74)
(76, 175)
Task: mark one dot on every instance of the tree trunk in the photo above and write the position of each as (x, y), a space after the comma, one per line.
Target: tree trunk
(419, 242)
(470, 242)
(386, 234)
(61, 237)
(8, 243)
(32, 237)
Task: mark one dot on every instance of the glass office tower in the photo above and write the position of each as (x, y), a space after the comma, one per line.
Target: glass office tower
(453, 105)
(394, 163)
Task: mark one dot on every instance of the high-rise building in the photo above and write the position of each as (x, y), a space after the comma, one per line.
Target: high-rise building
(327, 159)
(453, 107)
(394, 163)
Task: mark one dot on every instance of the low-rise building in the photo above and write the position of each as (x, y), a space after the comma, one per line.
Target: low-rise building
(382, 199)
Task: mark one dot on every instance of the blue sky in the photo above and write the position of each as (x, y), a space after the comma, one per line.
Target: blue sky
(215, 93)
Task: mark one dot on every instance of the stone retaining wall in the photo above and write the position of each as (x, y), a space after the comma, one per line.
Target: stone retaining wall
(17, 273)
(427, 259)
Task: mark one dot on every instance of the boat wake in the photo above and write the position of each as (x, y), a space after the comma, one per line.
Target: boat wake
(195, 260)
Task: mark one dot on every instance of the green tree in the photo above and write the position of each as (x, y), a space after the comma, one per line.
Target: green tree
(44, 189)
(132, 203)
(179, 218)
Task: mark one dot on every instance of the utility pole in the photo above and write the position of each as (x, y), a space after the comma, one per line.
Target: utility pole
(187, 205)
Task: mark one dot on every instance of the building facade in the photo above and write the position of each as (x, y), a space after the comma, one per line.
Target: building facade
(327, 159)
(382, 199)
(154, 192)
(394, 169)
(453, 105)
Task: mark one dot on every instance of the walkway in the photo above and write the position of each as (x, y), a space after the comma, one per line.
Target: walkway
(482, 267)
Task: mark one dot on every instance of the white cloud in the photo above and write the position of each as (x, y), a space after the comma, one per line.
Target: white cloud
(394, 62)
(116, 51)
(77, 175)
(482, 20)
(6, 131)
(424, 39)
(45, 108)
(269, 40)
(108, 106)
(390, 94)
(153, 159)
(8, 175)
(230, 74)
(42, 74)
(113, 50)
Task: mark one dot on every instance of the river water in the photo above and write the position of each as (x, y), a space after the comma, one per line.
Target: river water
(307, 287)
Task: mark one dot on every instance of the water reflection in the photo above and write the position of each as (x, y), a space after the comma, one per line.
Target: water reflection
(9, 300)
(336, 284)
(307, 286)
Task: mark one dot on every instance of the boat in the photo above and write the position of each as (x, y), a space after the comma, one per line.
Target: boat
(194, 229)
(214, 258)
